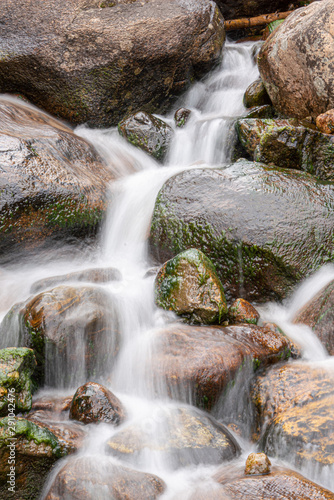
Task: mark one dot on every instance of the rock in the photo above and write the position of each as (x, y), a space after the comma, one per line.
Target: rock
(181, 116)
(90, 64)
(318, 314)
(189, 286)
(265, 111)
(288, 144)
(99, 275)
(233, 9)
(296, 71)
(197, 364)
(70, 435)
(85, 478)
(73, 332)
(54, 404)
(242, 311)
(257, 463)
(148, 133)
(16, 367)
(325, 122)
(294, 414)
(263, 228)
(35, 450)
(52, 182)
(256, 95)
(93, 403)
(181, 437)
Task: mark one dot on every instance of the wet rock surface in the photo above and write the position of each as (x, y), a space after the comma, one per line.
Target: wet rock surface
(296, 71)
(16, 368)
(52, 182)
(188, 285)
(242, 311)
(84, 478)
(248, 220)
(90, 64)
(257, 463)
(69, 327)
(181, 116)
(233, 9)
(256, 95)
(196, 364)
(318, 313)
(187, 436)
(93, 403)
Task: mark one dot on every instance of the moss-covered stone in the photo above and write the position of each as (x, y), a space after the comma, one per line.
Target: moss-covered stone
(189, 286)
(242, 311)
(16, 368)
(181, 116)
(148, 133)
(263, 228)
(288, 144)
(256, 95)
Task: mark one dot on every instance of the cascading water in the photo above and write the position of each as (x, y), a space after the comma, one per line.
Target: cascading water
(207, 139)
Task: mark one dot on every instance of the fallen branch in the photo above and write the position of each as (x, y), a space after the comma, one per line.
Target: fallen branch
(249, 22)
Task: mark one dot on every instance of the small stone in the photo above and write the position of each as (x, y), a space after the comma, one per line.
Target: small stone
(325, 122)
(242, 311)
(257, 463)
(181, 116)
(256, 95)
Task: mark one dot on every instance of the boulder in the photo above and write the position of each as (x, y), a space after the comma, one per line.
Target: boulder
(97, 275)
(198, 364)
(16, 368)
(148, 133)
(294, 404)
(242, 311)
(35, 451)
(325, 122)
(295, 62)
(73, 332)
(288, 144)
(233, 9)
(318, 314)
(263, 228)
(94, 403)
(188, 285)
(182, 436)
(95, 61)
(256, 95)
(86, 478)
(52, 182)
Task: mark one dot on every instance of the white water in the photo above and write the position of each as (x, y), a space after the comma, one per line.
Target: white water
(207, 139)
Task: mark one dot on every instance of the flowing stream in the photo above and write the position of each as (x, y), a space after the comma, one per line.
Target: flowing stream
(206, 140)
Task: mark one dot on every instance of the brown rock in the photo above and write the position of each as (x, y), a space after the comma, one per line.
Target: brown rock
(325, 122)
(233, 9)
(257, 463)
(256, 95)
(88, 63)
(318, 314)
(85, 478)
(242, 311)
(296, 71)
(94, 403)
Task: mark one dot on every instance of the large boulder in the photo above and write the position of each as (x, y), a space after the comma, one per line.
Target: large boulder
(52, 183)
(318, 313)
(34, 450)
(188, 285)
(181, 437)
(263, 228)
(73, 332)
(295, 62)
(288, 144)
(95, 61)
(16, 368)
(85, 478)
(197, 364)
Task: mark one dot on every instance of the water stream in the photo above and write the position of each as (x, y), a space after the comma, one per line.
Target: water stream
(206, 140)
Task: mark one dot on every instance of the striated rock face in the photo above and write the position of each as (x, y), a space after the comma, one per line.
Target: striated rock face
(295, 62)
(318, 313)
(185, 436)
(84, 478)
(36, 451)
(72, 331)
(196, 364)
(16, 368)
(95, 61)
(93, 403)
(52, 183)
(263, 228)
(294, 403)
(189, 286)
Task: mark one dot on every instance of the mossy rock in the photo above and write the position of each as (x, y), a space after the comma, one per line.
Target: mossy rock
(148, 133)
(188, 285)
(264, 228)
(288, 144)
(256, 95)
(36, 450)
(242, 311)
(181, 116)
